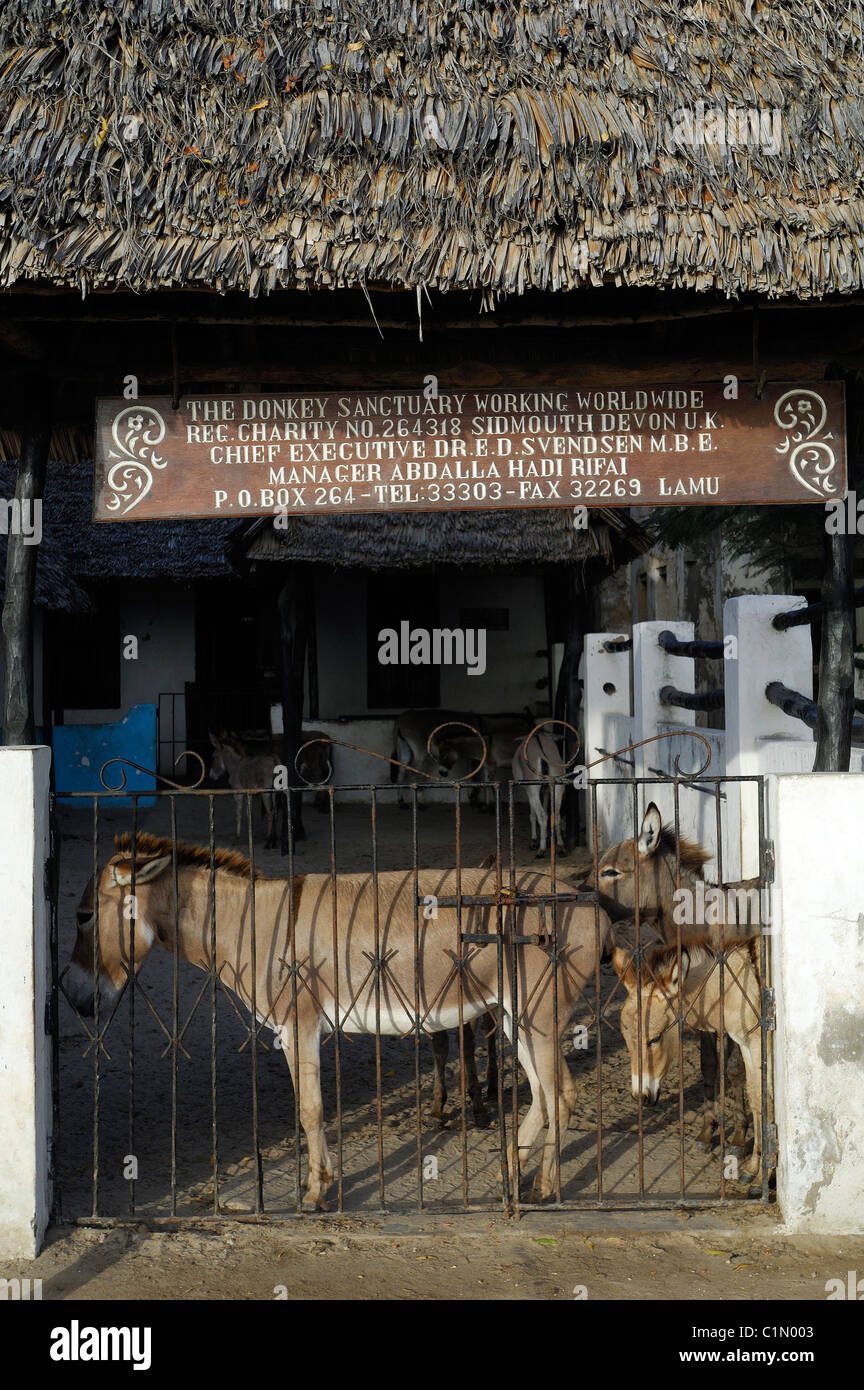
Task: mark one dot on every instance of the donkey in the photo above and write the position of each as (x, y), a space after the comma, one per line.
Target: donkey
(249, 771)
(654, 855)
(411, 733)
(363, 980)
(540, 756)
(440, 1054)
(649, 1014)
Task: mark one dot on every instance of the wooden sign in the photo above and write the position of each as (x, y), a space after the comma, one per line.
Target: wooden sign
(400, 450)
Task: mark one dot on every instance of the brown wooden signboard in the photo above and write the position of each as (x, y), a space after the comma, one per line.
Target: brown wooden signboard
(399, 450)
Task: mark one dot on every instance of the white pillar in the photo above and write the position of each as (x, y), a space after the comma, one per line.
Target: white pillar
(606, 714)
(818, 975)
(756, 653)
(652, 669)
(25, 1048)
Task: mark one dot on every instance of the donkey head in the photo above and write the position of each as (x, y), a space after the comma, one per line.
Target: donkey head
(656, 861)
(126, 924)
(649, 1012)
(226, 750)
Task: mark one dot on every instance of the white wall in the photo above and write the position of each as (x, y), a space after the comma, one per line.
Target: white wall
(25, 1049)
(512, 666)
(818, 962)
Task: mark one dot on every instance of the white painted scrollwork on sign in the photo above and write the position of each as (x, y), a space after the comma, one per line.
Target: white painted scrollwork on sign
(136, 431)
(802, 414)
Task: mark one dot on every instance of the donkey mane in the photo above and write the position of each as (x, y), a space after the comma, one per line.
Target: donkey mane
(196, 855)
(692, 856)
(699, 948)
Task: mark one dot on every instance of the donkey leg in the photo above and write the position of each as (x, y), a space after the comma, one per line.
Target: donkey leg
(305, 1070)
(520, 1149)
(752, 1170)
(238, 818)
(472, 1085)
(708, 1048)
(565, 1101)
(440, 1051)
(736, 1091)
(269, 804)
(490, 1024)
(557, 797)
(538, 820)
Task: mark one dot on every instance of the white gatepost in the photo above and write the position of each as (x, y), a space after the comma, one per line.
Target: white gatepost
(606, 726)
(818, 975)
(25, 1047)
(652, 669)
(756, 653)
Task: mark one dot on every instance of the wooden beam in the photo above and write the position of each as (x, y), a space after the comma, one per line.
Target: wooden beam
(19, 725)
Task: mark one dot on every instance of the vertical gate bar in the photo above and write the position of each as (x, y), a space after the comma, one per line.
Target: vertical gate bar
(133, 912)
(640, 1117)
(499, 1012)
(765, 983)
(415, 870)
(214, 1129)
(460, 996)
(337, 1033)
(558, 1059)
(253, 1027)
(682, 1176)
(295, 1024)
(379, 1097)
(97, 1078)
(175, 999)
(595, 852)
(721, 1041)
(515, 1178)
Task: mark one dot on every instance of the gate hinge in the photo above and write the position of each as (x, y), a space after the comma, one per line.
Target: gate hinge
(50, 1016)
(770, 1145)
(767, 861)
(769, 1008)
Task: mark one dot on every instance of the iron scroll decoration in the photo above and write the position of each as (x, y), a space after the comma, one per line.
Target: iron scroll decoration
(568, 765)
(148, 772)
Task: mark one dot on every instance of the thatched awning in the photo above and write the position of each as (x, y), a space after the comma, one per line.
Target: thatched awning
(449, 145)
(491, 540)
(56, 590)
(170, 550)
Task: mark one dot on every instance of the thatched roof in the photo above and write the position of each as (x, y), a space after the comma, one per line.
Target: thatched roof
(489, 539)
(56, 590)
(175, 550)
(256, 144)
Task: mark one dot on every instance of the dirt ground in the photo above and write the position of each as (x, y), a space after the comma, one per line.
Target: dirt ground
(545, 1256)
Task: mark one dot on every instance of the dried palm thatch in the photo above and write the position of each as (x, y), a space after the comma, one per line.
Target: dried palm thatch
(256, 144)
(490, 540)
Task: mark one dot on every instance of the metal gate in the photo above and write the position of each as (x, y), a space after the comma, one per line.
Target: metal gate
(175, 1102)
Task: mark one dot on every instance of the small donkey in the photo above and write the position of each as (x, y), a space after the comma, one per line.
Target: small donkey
(658, 861)
(246, 772)
(649, 1015)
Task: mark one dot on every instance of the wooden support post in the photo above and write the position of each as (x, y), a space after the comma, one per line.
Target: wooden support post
(19, 725)
(295, 601)
(836, 703)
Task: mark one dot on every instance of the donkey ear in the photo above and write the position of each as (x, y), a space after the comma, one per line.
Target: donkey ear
(621, 962)
(649, 835)
(213, 739)
(145, 870)
(677, 977)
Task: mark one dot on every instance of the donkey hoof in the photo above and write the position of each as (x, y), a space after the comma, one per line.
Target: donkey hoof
(703, 1146)
(735, 1150)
